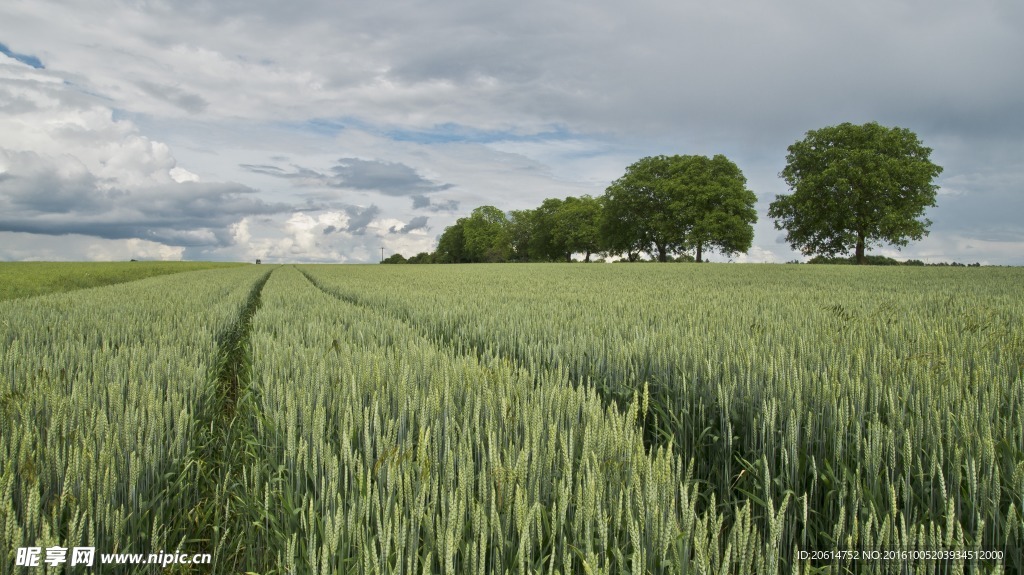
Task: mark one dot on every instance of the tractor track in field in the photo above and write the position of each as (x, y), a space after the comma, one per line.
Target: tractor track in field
(223, 433)
(447, 342)
(234, 369)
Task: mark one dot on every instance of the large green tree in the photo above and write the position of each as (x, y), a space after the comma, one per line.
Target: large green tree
(546, 246)
(854, 186)
(522, 231)
(672, 204)
(538, 235)
(714, 205)
(577, 226)
(451, 246)
(486, 235)
(637, 210)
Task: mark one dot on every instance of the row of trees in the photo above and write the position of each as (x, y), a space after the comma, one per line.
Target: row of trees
(852, 187)
(554, 231)
(664, 205)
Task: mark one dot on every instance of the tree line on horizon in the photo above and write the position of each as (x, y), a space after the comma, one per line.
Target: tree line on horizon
(853, 187)
(667, 206)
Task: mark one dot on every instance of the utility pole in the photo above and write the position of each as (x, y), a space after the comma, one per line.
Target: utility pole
(382, 253)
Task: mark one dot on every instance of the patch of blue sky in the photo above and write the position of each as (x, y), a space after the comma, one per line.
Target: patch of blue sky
(450, 133)
(447, 133)
(328, 127)
(27, 59)
(325, 126)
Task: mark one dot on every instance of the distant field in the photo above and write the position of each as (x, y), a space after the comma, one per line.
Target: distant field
(536, 418)
(25, 279)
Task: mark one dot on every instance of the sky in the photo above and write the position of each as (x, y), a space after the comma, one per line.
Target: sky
(324, 131)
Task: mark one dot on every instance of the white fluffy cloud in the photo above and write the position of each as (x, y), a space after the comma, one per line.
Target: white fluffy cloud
(69, 167)
(53, 121)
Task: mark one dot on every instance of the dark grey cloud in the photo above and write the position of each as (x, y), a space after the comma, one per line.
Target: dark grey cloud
(654, 69)
(192, 103)
(417, 223)
(961, 214)
(359, 218)
(305, 176)
(265, 169)
(737, 69)
(421, 202)
(41, 196)
(388, 178)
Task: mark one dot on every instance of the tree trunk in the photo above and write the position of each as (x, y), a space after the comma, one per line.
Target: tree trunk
(662, 254)
(699, 252)
(587, 259)
(861, 259)
(632, 256)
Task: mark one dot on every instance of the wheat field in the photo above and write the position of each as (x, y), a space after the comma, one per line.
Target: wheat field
(536, 418)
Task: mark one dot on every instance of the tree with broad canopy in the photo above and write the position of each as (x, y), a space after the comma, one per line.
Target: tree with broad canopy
(674, 204)
(854, 187)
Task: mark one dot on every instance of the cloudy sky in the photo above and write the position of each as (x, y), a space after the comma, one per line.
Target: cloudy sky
(325, 130)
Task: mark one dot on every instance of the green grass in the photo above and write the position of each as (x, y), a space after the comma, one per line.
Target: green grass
(27, 279)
